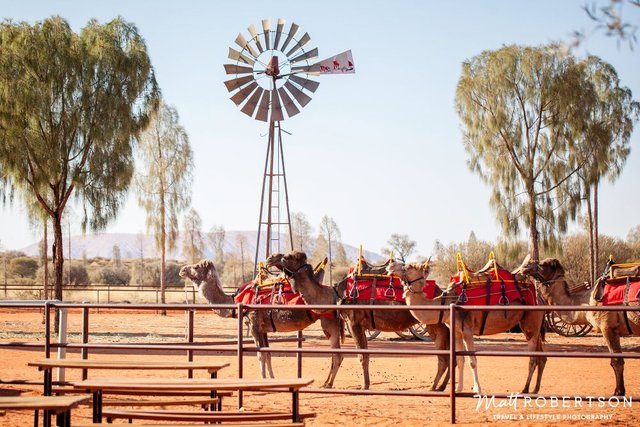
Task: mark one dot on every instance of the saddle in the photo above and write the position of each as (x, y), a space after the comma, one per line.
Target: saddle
(619, 284)
(491, 285)
(371, 282)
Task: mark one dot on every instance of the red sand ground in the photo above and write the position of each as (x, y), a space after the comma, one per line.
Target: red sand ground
(562, 376)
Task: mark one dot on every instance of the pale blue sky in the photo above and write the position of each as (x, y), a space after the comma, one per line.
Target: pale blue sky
(380, 150)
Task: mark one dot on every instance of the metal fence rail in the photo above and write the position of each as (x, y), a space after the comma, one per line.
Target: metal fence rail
(241, 347)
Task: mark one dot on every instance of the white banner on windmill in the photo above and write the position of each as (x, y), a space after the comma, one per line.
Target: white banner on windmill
(341, 63)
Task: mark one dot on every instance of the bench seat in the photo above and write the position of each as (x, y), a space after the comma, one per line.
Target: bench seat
(191, 416)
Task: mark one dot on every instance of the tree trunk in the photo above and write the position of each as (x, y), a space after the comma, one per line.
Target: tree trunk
(163, 251)
(533, 227)
(58, 262)
(592, 260)
(45, 255)
(596, 245)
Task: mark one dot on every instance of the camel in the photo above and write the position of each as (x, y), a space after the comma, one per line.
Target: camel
(550, 281)
(470, 324)
(261, 322)
(295, 267)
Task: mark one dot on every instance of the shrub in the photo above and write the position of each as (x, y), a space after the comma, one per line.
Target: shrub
(114, 276)
(23, 267)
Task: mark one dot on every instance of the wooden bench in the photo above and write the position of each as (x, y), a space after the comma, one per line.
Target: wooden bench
(148, 385)
(47, 366)
(59, 405)
(203, 417)
(256, 424)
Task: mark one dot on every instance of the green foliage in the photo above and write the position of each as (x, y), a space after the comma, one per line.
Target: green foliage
(71, 106)
(475, 254)
(23, 266)
(172, 269)
(522, 108)
(112, 276)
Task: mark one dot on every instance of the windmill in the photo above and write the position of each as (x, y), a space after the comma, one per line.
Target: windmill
(271, 83)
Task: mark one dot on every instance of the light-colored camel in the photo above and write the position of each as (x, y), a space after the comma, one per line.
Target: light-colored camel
(295, 266)
(261, 322)
(468, 324)
(550, 281)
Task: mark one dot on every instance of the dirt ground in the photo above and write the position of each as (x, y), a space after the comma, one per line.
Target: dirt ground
(562, 377)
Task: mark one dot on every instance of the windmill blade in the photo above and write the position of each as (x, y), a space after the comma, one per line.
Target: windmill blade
(251, 104)
(310, 85)
(242, 42)
(304, 40)
(309, 69)
(289, 105)
(236, 83)
(279, 28)
(307, 55)
(266, 26)
(244, 93)
(237, 69)
(263, 109)
(276, 108)
(302, 98)
(254, 37)
(237, 56)
(292, 32)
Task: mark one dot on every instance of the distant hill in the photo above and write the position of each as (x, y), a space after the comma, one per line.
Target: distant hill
(101, 245)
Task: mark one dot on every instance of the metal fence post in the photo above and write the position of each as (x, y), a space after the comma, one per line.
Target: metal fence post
(190, 317)
(240, 350)
(62, 339)
(452, 361)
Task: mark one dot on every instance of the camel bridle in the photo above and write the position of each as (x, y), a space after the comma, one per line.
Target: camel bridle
(291, 273)
(408, 284)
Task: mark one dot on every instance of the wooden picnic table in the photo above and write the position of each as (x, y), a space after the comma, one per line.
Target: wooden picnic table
(148, 385)
(60, 405)
(47, 365)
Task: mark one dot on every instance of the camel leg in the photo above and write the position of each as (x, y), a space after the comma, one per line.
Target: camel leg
(331, 328)
(541, 361)
(612, 337)
(361, 342)
(266, 357)
(440, 336)
(261, 340)
(459, 363)
(469, 345)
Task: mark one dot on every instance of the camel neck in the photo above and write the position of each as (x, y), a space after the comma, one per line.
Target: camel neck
(312, 292)
(557, 293)
(211, 290)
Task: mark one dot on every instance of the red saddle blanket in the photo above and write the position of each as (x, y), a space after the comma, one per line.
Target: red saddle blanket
(486, 288)
(279, 292)
(379, 287)
(613, 293)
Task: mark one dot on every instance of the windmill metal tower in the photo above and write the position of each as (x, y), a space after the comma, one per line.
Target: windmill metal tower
(269, 86)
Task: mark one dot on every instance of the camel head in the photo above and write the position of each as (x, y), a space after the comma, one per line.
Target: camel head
(293, 262)
(411, 275)
(544, 272)
(200, 273)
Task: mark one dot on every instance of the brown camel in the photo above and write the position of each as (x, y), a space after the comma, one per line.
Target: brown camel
(468, 324)
(206, 280)
(550, 281)
(295, 267)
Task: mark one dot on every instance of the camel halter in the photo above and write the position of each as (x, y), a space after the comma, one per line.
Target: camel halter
(407, 283)
(291, 273)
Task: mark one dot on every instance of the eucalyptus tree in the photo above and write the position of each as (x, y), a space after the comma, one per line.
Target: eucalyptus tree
(400, 245)
(164, 182)
(301, 229)
(604, 140)
(518, 107)
(192, 242)
(217, 237)
(71, 106)
(331, 233)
